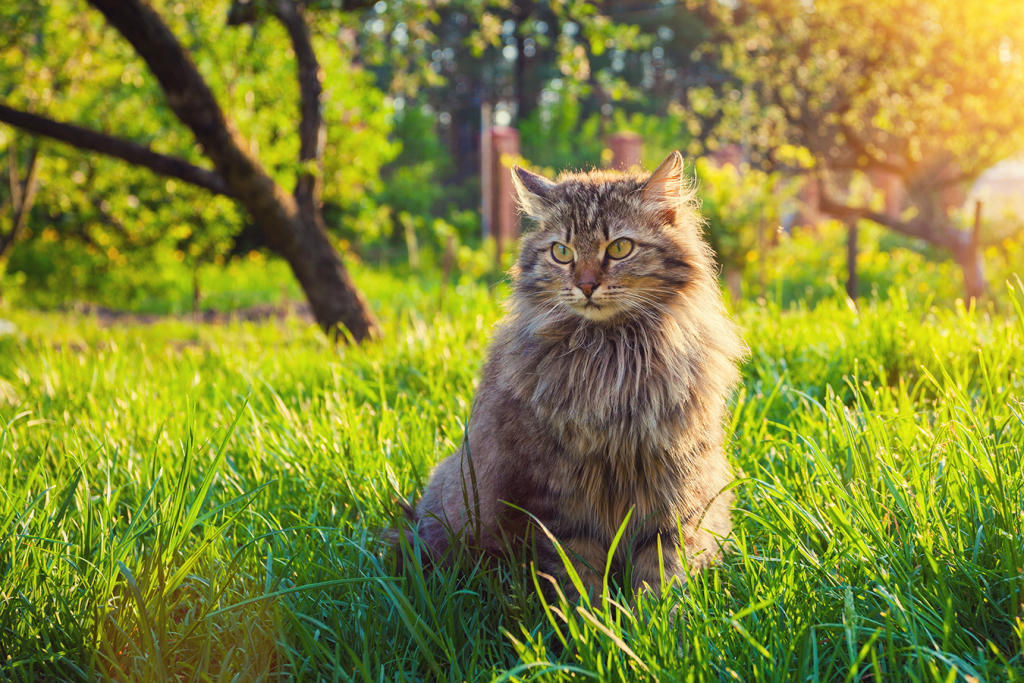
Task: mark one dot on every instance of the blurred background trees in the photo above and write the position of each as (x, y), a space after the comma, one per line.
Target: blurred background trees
(920, 96)
(742, 209)
(55, 66)
(838, 130)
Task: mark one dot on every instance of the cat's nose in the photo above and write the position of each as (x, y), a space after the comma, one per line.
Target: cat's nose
(588, 285)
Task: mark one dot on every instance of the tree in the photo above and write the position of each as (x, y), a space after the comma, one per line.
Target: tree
(291, 222)
(928, 91)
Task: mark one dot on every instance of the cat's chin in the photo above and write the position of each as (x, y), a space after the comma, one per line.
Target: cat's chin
(597, 312)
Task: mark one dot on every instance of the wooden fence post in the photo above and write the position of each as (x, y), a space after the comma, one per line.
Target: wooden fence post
(627, 150)
(851, 220)
(505, 216)
(892, 189)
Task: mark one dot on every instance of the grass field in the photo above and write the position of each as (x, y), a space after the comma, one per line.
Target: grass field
(186, 502)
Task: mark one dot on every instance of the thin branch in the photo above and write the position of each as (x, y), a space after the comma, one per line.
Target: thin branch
(23, 195)
(12, 173)
(133, 153)
(915, 229)
(110, 220)
(28, 193)
(312, 131)
(860, 148)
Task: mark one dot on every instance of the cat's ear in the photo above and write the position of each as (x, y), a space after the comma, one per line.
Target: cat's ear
(666, 190)
(533, 192)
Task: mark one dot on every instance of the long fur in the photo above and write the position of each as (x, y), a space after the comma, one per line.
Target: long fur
(585, 412)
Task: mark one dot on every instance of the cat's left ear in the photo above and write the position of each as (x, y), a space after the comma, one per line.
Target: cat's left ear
(666, 190)
(533, 192)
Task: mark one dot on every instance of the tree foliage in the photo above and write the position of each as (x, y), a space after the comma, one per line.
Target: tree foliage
(95, 214)
(931, 91)
(902, 85)
(741, 206)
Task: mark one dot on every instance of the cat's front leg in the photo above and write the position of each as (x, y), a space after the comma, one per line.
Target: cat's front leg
(587, 558)
(657, 559)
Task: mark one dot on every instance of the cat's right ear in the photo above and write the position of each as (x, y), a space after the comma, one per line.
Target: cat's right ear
(533, 191)
(667, 191)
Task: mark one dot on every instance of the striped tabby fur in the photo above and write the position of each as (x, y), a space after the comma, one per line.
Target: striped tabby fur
(590, 407)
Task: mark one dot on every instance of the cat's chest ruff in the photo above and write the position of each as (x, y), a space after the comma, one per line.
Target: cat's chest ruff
(619, 394)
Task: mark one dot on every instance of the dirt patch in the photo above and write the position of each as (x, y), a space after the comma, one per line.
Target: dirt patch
(108, 316)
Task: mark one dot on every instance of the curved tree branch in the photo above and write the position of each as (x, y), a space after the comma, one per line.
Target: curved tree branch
(900, 166)
(312, 132)
(133, 153)
(915, 229)
(195, 105)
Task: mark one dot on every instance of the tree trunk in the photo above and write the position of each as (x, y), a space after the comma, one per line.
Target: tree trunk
(734, 283)
(298, 238)
(967, 252)
(851, 257)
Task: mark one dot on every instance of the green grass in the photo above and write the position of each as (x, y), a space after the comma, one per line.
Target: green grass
(180, 502)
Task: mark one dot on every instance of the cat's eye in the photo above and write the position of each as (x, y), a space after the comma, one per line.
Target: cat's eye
(561, 253)
(620, 248)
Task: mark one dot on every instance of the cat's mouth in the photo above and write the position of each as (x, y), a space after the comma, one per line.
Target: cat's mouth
(595, 311)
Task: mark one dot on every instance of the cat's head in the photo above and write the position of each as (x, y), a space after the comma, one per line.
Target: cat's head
(608, 246)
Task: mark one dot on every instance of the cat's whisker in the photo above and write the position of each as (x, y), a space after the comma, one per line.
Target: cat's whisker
(645, 302)
(540, 321)
(659, 290)
(649, 297)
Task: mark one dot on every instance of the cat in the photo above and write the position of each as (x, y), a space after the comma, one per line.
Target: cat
(605, 390)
